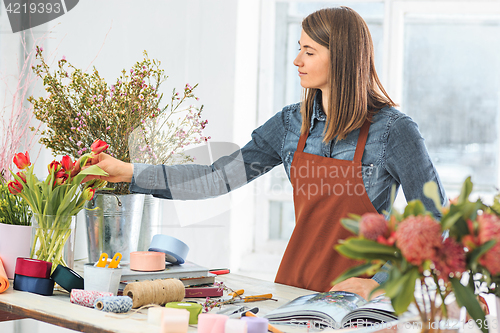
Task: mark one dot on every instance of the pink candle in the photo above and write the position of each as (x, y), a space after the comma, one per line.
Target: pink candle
(174, 320)
(211, 323)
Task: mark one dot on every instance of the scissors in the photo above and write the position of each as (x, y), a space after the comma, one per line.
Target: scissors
(234, 297)
(235, 311)
(103, 260)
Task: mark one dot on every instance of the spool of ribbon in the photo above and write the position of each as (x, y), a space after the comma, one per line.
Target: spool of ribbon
(115, 304)
(33, 267)
(30, 284)
(155, 292)
(67, 278)
(85, 297)
(256, 324)
(211, 323)
(235, 326)
(147, 261)
(4, 281)
(174, 249)
(174, 321)
(193, 308)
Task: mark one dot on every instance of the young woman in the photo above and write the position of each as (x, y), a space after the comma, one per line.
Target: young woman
(343, 147)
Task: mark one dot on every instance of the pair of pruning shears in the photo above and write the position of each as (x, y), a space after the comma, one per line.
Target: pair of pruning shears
(103, 260)
(236, 311)
(235, 297)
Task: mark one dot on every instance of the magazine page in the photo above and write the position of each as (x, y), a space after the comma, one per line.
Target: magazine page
(320, 309)
(377, 310)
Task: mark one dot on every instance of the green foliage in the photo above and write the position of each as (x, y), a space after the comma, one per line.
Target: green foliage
(13, 209)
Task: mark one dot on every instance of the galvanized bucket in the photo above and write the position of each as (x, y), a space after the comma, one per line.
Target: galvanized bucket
(150, 222)
(113, 224)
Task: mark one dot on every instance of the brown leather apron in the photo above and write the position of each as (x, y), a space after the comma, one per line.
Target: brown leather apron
(324, 191)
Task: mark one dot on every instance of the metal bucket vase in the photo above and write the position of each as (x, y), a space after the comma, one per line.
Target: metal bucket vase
(113, 224)
(150, 222)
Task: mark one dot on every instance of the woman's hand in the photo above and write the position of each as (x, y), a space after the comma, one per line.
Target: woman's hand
(118, 171)
(359, 286)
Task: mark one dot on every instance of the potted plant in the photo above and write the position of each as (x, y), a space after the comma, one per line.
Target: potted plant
(15, 228)
(81, 107)
(434, 260)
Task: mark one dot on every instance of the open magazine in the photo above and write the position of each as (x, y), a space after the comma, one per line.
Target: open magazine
(334, 309)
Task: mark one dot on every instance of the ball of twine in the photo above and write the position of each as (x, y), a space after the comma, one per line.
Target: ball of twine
(155, 292)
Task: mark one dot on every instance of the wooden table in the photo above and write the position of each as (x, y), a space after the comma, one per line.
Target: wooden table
(59, 311)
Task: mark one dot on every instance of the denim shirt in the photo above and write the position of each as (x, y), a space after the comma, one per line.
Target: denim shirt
(395, 154)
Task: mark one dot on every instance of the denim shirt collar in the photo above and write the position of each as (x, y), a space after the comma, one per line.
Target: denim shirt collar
(318, 113)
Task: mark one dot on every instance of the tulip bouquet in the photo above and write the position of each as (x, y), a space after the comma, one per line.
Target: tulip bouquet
(425, 263)
(56, 199)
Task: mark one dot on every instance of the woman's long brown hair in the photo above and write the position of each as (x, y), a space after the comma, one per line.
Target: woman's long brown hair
(356, 91)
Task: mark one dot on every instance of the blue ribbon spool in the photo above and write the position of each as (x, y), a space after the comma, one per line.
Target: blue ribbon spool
(34, 285)
(174, 249)
(115, 304)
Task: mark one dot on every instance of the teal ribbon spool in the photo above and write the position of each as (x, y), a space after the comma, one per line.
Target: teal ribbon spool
(193, 308)
(67, 278)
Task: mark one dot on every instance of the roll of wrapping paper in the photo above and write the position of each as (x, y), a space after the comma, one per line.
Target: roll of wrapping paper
(30, 284)
(85, 297)
(147, 261)
(4, 281)
(155, 292)
(67, 278)
(115, 304)
(193, 308)
(33, 267)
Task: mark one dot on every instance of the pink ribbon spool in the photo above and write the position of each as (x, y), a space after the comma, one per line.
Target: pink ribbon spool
(147, 261)
(211, 323)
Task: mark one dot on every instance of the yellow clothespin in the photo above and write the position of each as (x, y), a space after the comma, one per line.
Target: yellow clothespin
(103, 260)
(115, 261)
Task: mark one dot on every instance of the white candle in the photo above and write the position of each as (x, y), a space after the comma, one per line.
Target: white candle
(174, 321)
(235, 326)
(155, 314)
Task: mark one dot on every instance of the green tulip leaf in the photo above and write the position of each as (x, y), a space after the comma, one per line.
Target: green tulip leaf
(465, 297)
(94, 170)
(431, 191)
(356, 271)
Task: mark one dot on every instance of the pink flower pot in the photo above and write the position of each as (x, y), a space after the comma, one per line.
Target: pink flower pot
(15, 241)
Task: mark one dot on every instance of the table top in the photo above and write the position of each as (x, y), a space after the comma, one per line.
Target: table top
(58, 310)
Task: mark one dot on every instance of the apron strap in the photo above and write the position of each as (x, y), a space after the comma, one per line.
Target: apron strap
(302, 141)
(360, 146)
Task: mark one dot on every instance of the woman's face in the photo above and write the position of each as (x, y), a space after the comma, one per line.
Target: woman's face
(313, 62)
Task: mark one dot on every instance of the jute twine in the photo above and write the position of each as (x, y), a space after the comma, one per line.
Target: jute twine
(155, 292)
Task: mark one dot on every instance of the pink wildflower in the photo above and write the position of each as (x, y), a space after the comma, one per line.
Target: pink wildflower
(372, 225)
(450, 259)
(419, 237)
(489, 229)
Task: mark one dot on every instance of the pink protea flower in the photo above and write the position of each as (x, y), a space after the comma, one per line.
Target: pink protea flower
(419, 237)
(372, 225)
(489, 229)
(450, 258)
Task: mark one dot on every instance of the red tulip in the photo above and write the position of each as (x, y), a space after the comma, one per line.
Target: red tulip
(54, 165)
(99, 146)
(22, 176)
(60, 177)
(22, 161)
(15, 187)
(67, 163)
